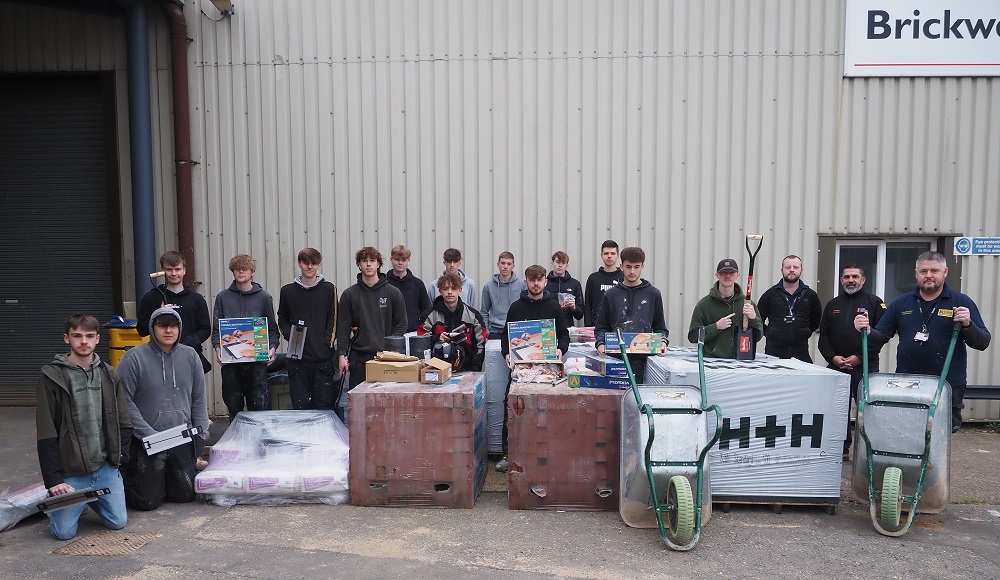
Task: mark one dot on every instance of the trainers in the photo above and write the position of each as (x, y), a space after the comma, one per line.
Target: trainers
(503, 465)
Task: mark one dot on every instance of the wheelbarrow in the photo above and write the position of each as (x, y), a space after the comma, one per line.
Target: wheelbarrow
(902, 444)
(664, 445)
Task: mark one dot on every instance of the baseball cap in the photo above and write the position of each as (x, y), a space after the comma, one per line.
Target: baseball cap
(728, 264)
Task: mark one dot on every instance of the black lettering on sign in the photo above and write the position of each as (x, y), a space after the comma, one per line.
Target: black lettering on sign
(771, 431)
(814, 431)
(728, 433)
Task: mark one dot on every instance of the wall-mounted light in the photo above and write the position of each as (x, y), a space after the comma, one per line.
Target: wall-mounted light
(224, 6)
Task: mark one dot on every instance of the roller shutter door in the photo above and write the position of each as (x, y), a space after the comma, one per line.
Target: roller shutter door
(56, 257)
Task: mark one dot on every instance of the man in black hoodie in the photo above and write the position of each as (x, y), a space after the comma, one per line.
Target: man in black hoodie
(599, 282)
(189, 304)
(374, 308)
(632, 306)
(565, 288)
(791, 312)
(310, 302)
(413, 289)
(535, 303)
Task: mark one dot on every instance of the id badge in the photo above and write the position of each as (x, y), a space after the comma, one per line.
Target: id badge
(789, 319)
(920, 337)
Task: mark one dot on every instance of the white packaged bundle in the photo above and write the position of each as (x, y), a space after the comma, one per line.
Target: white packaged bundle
(279, 457)
(18, 502)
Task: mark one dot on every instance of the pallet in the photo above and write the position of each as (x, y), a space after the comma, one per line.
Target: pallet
(829, 504)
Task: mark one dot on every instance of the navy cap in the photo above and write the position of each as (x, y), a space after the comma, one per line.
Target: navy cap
(727, 265)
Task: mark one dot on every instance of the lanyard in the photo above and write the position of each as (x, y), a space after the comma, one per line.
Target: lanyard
(791, 305)
(926, 319)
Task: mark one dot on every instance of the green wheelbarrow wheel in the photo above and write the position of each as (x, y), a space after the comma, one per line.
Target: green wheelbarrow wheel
(681, 515)
(892, 498)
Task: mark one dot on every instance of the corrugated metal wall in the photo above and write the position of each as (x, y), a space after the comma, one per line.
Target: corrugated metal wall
(542, 125)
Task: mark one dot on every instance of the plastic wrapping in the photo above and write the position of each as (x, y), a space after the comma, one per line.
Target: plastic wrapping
(418, 445)
(19, 501)
(537, 372)
(784, 424)
(279, 457)
(497, 375)
(581, 333)
(563, 448)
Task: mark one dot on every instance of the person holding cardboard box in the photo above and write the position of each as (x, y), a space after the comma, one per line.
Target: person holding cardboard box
(372, 306)
(244, 383)
(535, 303)
(308, 305)
(453, 265)
(565, 288)
(632, 306)
(455, 322)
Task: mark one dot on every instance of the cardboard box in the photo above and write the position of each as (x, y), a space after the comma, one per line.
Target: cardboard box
(608, 366)
(533, 340)
(435, 372)
(388, 371)
(243, 340)
(591, 380)
(637, 342)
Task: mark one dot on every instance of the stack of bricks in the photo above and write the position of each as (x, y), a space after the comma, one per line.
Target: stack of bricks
(415, 445)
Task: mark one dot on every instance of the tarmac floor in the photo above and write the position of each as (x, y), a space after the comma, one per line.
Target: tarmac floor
(319, 541)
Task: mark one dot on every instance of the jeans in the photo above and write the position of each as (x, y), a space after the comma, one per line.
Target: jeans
(313, 385)
(245, 382)
(110, 508)
(169, 474)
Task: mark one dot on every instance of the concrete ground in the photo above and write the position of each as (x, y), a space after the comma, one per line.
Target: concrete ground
(319, 541)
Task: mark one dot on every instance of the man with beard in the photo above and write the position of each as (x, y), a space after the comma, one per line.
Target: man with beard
(791, 312)
(924, 320)
(839, 342)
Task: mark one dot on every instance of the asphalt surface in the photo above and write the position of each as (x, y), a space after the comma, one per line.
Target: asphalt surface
(319, 541)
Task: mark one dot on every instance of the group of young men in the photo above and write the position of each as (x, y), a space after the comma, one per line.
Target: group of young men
(92, 418)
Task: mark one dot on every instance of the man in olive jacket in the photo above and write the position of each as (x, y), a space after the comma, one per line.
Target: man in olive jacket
(722, 311)
(83, 429)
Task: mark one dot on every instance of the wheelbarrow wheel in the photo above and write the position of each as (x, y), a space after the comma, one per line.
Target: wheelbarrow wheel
(892, 498)
(681, 517)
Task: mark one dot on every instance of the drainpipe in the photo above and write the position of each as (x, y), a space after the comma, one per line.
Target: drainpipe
(182, 133)
(141, 146)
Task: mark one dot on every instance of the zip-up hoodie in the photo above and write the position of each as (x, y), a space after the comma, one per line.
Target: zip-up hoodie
(414, 295)
(597, 284)
(632, 309)
(775, 304)
(468, 289)
(164, 389)
(497, 298)
(234, 303)
(708, 311)
(567, 284)
(57, 421)
(377, 311)
(316, 306)
(527, 308)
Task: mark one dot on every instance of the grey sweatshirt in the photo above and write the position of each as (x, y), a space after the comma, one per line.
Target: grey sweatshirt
(234, 303)
(468, 289)
(497, 298)
(163, 389)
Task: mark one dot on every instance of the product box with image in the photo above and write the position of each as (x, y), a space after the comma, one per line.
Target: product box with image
(608, 366)
(243, 339)
(591, 380)
(533, 340)
(635, 342)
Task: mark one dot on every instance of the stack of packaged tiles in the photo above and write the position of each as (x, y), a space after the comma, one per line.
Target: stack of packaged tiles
(601, 372)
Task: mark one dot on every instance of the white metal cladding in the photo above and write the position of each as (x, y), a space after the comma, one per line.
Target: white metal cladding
(535, 126)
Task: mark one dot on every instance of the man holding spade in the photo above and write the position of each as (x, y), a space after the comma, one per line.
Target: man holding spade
(718, 313)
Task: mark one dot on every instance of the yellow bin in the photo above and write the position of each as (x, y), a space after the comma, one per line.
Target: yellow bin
(123, 337)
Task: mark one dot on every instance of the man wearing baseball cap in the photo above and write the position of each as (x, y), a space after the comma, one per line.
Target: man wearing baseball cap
(722, 311)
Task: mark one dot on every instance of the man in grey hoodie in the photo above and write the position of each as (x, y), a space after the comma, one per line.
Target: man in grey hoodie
(499, 294)
(164, 387)
(453, 265)
(245, 381)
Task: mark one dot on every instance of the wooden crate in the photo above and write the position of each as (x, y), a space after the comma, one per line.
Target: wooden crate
(417, 445)
(564, 447)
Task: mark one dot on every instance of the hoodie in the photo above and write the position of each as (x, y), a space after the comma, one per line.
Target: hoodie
(60, 426)
(497, 298)
(708, 311)
(527, 308)
(632, 309)
(468, 289)
(597, 284)
(316, 307)
(566, 284)
(377, 311)
(234, 303)
(438, 319)
(414, 295)
(189, 304)
(164, 389)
